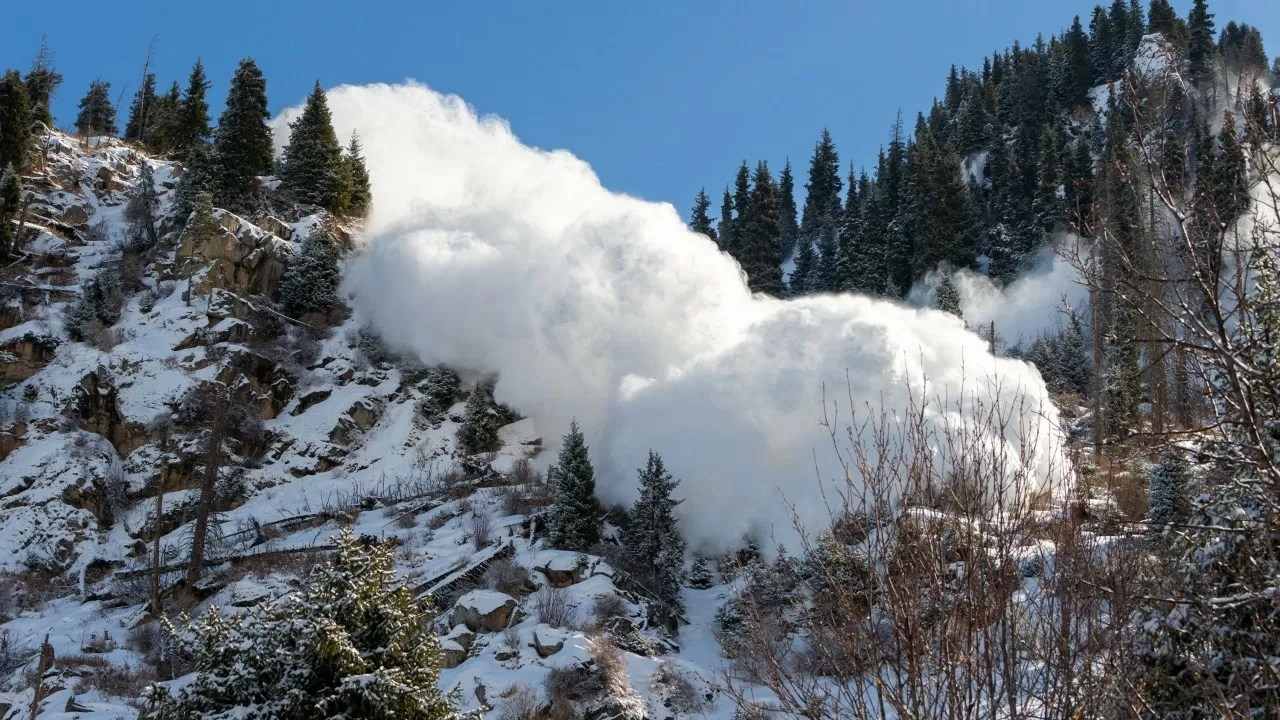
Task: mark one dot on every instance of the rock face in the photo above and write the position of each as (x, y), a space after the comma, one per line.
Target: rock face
(98, 411)
(483, 610)
(257, 379)
(74, 215)
(25, 356)
(242, 257)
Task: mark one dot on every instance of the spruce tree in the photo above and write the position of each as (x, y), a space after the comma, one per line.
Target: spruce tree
(197, 177)
(242, 142)
(10, 204)
(310, 283)
(1163, 19)
(724, 229)
(142, 213)
(799, 282)
(759, 251)
(312, 162)
(788, 231)
(1229, 184)
(203, 227)
(141, 126)
(822, 199)
(973, 131)
(1122, 374)
(1079, 67)
(740, 228)
(1168, 498)
(849, 231)
(1201, 49)
(946, 297)
(350, 642)
(15, 122)
(478, 432)
(826, 277)
(193, 118)
(359, 190)
(42, 83)
(97, 115)
(573, 524)
(167, 120)
(699, 220)
(1075, 359)
(651, 536)
(700, 576)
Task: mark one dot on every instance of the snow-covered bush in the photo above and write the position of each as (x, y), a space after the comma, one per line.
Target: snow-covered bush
(350, 642)
(518, 702)
(101, 299)
(507, 577)
(479, 430)
(310, 283)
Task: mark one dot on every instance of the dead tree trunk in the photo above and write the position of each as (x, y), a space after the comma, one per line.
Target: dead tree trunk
(213, 462)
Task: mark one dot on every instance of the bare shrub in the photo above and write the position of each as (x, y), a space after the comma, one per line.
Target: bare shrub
(610, 666)
(607, 607)
(13, 653)
(518, 702)
(118, 681)
(407, 520)
(481, 526)
(438, 520)
(508, 577)
(551, 605)
(683, 696)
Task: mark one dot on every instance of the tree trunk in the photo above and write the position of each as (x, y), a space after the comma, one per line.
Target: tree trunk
(155, 553)
(213, 461)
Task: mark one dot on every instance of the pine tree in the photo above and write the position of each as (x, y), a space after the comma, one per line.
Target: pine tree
(651, 536)
(1123, 377)
(788, 231)
(1200, 46)
(573, 524)
(826, 278)
(141, 126)
(1230, 187)
(822, 201)
(359, 191)
(42, 83)
(849, 231)
(167, 120)
(799, 282)
(197, 177)
(350, 642)
(740, 228)
(15, 121)
(1074, 359)
(310, 283)
(700, 576)
(946, 297)
(1168, 499)
(97, 115)
(99, 304)
(1163, 19)
(973, 131)
(699, 221)
(313, 158)
(142, 213)
(724, 229)
(242, 142)
(193, 118)
(10, 204)
(759, 251)
(479, 429)
(1079, 68)
(202, 226)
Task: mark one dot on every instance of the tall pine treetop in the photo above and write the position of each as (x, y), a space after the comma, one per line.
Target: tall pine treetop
(242, 142)
(311, 168)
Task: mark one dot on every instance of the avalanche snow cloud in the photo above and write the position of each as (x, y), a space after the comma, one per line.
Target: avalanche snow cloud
(489, 255)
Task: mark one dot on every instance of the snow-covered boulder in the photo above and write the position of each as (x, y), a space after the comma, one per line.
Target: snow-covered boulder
(243, 258)
(483, 610)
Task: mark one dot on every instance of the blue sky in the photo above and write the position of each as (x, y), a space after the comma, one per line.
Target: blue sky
(660, 97)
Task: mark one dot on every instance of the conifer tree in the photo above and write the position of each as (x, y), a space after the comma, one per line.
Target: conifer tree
(1201, 49)
(310, 283)
(1168, 498)
(479, 429)
(699, 220)
(946, 297)
(849, 232)
(202, 226)
(350, 642)
(359, 192)
(788, 231)
(197, 177)
(822, 201)
(700, 577)
(142, 113)
(242, 142)
(42, 83)
(1074, 359)
(1163, 19)
(167, 121)
(1122, 375)
(15, 122)
(97, 115)
(973, 128)
(1079, 68)
(759, 251)
(724, 229)
(142, 213)
(312, 162)
(799, 282)
(651, 536)
(193, 118)
(10, 204)
(740, 228)
(826, 277)
(1230, 187)
(573, 524)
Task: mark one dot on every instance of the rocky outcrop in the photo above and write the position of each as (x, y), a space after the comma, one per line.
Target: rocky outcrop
(97, 409)
(359, 417)
(257, 379)
(240, 257)
(483, 610)
(25, 356)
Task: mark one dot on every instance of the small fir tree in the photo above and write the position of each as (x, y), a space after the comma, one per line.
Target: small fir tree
(193, 116)
(479, 429)
(1168, 499)
(15, 121)
(946, 297)
(202, 227)
(197, 177)
(699, 220)
(359, 194)
(242, 142)
(351, 642)
(42, 83)
(310, 283)
(700, 575)
(651, 536)
(573, 524)
(97, 115)
(142, 113)
(10, 204)
(312, 163)
(142, 213)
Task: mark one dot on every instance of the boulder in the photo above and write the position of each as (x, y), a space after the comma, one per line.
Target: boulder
(25, 356)
(74, 215)
(547, 641)
(452, 654)
(483, 610)
(277, 227)
(311, 399)
(241, 257)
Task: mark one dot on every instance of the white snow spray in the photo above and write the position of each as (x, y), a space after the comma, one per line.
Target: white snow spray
(489, 255)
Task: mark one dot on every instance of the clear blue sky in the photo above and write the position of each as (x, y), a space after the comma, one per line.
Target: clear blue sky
(660, 97)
